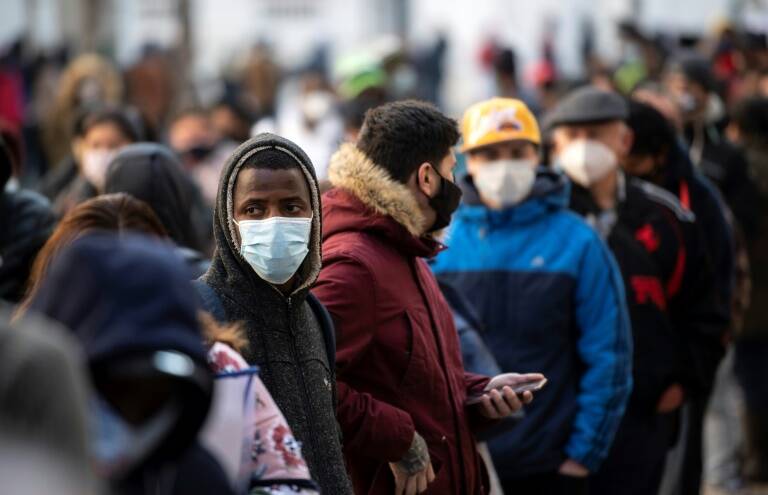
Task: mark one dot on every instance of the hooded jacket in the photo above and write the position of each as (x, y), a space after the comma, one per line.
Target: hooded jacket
(150, 172)
(130, 296)
(285, 337)
(398, 358)
(697, 194)
(551, 300)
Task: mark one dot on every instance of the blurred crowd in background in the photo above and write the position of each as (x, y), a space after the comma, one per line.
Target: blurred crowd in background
(66, 114)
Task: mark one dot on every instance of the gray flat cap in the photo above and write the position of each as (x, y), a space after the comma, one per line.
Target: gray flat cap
(587, 105)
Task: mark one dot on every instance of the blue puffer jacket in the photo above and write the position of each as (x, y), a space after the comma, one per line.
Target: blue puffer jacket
(551, 300)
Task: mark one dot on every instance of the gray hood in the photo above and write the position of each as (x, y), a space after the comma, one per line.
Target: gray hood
(227, 255)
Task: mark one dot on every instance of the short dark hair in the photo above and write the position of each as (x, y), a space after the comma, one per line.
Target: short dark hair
(402, 135)
(654, 134)
(119, 117)
(272, 159)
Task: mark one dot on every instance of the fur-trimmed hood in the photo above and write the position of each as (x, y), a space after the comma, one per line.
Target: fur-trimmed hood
(352, 170)
(365, 198)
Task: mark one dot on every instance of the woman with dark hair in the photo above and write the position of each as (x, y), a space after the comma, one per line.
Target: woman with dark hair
(98, 136)
(112, 212)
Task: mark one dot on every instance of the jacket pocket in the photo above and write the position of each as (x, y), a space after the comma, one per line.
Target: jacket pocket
(395, 340)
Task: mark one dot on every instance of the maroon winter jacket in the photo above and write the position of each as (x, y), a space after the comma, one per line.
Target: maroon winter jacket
(399, 366)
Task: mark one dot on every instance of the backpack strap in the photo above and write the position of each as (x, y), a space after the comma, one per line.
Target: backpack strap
(210, 300)
(327, 327)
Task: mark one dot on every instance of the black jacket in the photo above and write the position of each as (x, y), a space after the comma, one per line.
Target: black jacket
(697, 194)
(655, 354)
(670, 235)
(285, 337)
(26, 222)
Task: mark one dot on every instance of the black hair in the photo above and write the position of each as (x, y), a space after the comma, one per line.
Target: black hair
(654, 134)
(751, 117)
(353, 111)
(272, 159)
(121, 118)
(402, 135)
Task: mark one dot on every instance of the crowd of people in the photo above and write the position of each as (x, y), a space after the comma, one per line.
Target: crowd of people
(345, 290)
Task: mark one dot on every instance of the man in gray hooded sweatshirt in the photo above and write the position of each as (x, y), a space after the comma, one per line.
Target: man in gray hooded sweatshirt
(268, 235)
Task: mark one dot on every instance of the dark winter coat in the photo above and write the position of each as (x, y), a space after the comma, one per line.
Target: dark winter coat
(398, 358)
(286, 340)
(26, 222)
(551, 300)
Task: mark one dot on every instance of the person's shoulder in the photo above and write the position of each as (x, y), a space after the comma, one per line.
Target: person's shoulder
(357, 247)
(28, 211)
(572, 227)
(658, 197)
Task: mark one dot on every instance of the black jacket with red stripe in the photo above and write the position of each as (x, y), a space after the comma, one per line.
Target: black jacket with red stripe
(672, 283)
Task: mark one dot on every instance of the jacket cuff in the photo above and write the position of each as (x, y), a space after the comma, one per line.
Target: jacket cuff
(402, 438)
(590, 461)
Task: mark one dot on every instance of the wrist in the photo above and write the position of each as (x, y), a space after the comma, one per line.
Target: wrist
(416, 458)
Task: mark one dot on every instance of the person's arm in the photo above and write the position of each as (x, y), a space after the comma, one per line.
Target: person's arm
(369, 426)
(605, 348)
(698, 312)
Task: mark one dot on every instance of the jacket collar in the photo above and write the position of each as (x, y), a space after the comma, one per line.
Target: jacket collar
(350, 169)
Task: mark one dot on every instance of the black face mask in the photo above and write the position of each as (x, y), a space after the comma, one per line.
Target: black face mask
(198, 152)
(444, 202)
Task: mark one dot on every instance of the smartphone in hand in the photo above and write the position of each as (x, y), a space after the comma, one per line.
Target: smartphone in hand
(531, 382)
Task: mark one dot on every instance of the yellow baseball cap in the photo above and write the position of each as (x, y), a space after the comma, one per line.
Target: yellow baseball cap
(498, 120)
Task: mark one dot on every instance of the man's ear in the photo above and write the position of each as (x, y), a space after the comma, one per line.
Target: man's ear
(426, 180)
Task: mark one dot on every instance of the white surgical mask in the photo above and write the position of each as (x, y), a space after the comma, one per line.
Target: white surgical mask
(504, 182)
(275, 247)
(116, 445)
(587, 161)
(94, 166)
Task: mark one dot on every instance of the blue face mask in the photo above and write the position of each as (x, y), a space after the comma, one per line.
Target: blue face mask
(275, 247)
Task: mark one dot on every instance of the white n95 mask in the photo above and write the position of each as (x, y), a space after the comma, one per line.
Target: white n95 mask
(504, 182)
(587, 161)
(94, 166)
(275, 247)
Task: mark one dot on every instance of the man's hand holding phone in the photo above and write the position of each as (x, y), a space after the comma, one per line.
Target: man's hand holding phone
(506, 393)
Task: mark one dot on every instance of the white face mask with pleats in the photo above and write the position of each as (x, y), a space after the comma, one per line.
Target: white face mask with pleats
(586, 161)
(276, 247)
(504, 183)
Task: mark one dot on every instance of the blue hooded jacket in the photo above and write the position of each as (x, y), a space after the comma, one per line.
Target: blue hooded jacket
(551, 299)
